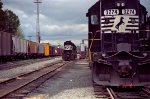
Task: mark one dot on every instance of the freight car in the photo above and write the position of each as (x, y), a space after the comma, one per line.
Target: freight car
(70, 51)
(5, 46)
(19, 48)
(58, 51)
(14, 48)
(119, 44)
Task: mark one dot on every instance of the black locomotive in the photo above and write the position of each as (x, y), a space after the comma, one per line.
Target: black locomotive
(70, 51)
(119, 43)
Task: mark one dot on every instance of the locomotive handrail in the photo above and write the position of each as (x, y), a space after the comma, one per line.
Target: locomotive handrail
(93, 38)
(144, 30)
(136, 30)
(92, 43)
(126, 52)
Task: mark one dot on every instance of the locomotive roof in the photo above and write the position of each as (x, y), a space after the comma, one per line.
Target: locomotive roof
(69, 42)
(93, 7)
(96, 6)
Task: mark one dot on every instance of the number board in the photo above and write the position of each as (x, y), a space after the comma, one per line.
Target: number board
(116, 12)
(128, 11)
(111, 12)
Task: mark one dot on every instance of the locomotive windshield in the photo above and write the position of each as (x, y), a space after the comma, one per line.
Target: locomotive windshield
(94, 20)
(68, 47)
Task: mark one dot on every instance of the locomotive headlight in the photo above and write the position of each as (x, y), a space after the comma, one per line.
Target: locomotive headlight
(103, 54)
(118, 4)
(144, 54)
(122, 4)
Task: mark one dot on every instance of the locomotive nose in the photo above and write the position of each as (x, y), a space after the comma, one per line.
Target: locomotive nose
(125, 70)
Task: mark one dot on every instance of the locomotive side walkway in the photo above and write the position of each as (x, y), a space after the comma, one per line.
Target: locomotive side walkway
(14, 72)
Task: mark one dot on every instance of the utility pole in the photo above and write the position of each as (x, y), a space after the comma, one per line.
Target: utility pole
(37, 2)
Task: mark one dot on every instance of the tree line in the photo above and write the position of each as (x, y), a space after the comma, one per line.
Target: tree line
(9, 22)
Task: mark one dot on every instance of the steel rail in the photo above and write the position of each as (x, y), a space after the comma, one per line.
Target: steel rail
(111, 93)
(26, 79)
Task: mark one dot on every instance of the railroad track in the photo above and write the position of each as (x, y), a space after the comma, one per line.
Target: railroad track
(20, 86)
(14, 64)
(115, 93)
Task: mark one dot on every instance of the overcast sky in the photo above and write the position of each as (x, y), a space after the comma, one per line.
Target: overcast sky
(60, 20)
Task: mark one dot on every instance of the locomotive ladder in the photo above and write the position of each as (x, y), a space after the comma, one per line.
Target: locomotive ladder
(111, 42)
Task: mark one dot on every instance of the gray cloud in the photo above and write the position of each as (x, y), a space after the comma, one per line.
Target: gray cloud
(60, 20)
(146, 3)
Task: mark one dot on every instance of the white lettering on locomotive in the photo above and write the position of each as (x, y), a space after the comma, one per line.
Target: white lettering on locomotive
(119, 23)
(128, 11)
(68, 47)
(111, 12)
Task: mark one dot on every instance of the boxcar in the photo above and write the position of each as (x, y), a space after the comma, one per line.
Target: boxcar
(16, 45)
(23, 46)
(59, 51)
(20, 47)
(52, 51)
(5, 45)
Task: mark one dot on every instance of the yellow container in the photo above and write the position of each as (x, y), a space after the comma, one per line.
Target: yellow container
(46, 49)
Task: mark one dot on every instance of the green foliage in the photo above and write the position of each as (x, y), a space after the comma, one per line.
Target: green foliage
(12, 22)
(3, 18)
(1, 4)
(9, 22)
(20, 32)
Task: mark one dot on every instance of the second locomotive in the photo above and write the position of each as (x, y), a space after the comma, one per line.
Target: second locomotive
(70, 51)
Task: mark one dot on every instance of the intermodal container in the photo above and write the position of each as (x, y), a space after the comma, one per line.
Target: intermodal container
(16, 45)
(23, 46)
(52, 53)
(32, 47)
(46, 49)
(41, 48)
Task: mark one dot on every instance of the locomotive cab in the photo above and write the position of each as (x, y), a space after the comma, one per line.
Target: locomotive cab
(119, 47)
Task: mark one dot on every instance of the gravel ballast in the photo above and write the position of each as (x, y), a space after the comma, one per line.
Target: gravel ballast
(73, 82)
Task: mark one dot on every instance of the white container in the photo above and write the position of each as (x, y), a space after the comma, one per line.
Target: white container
(41, 48)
